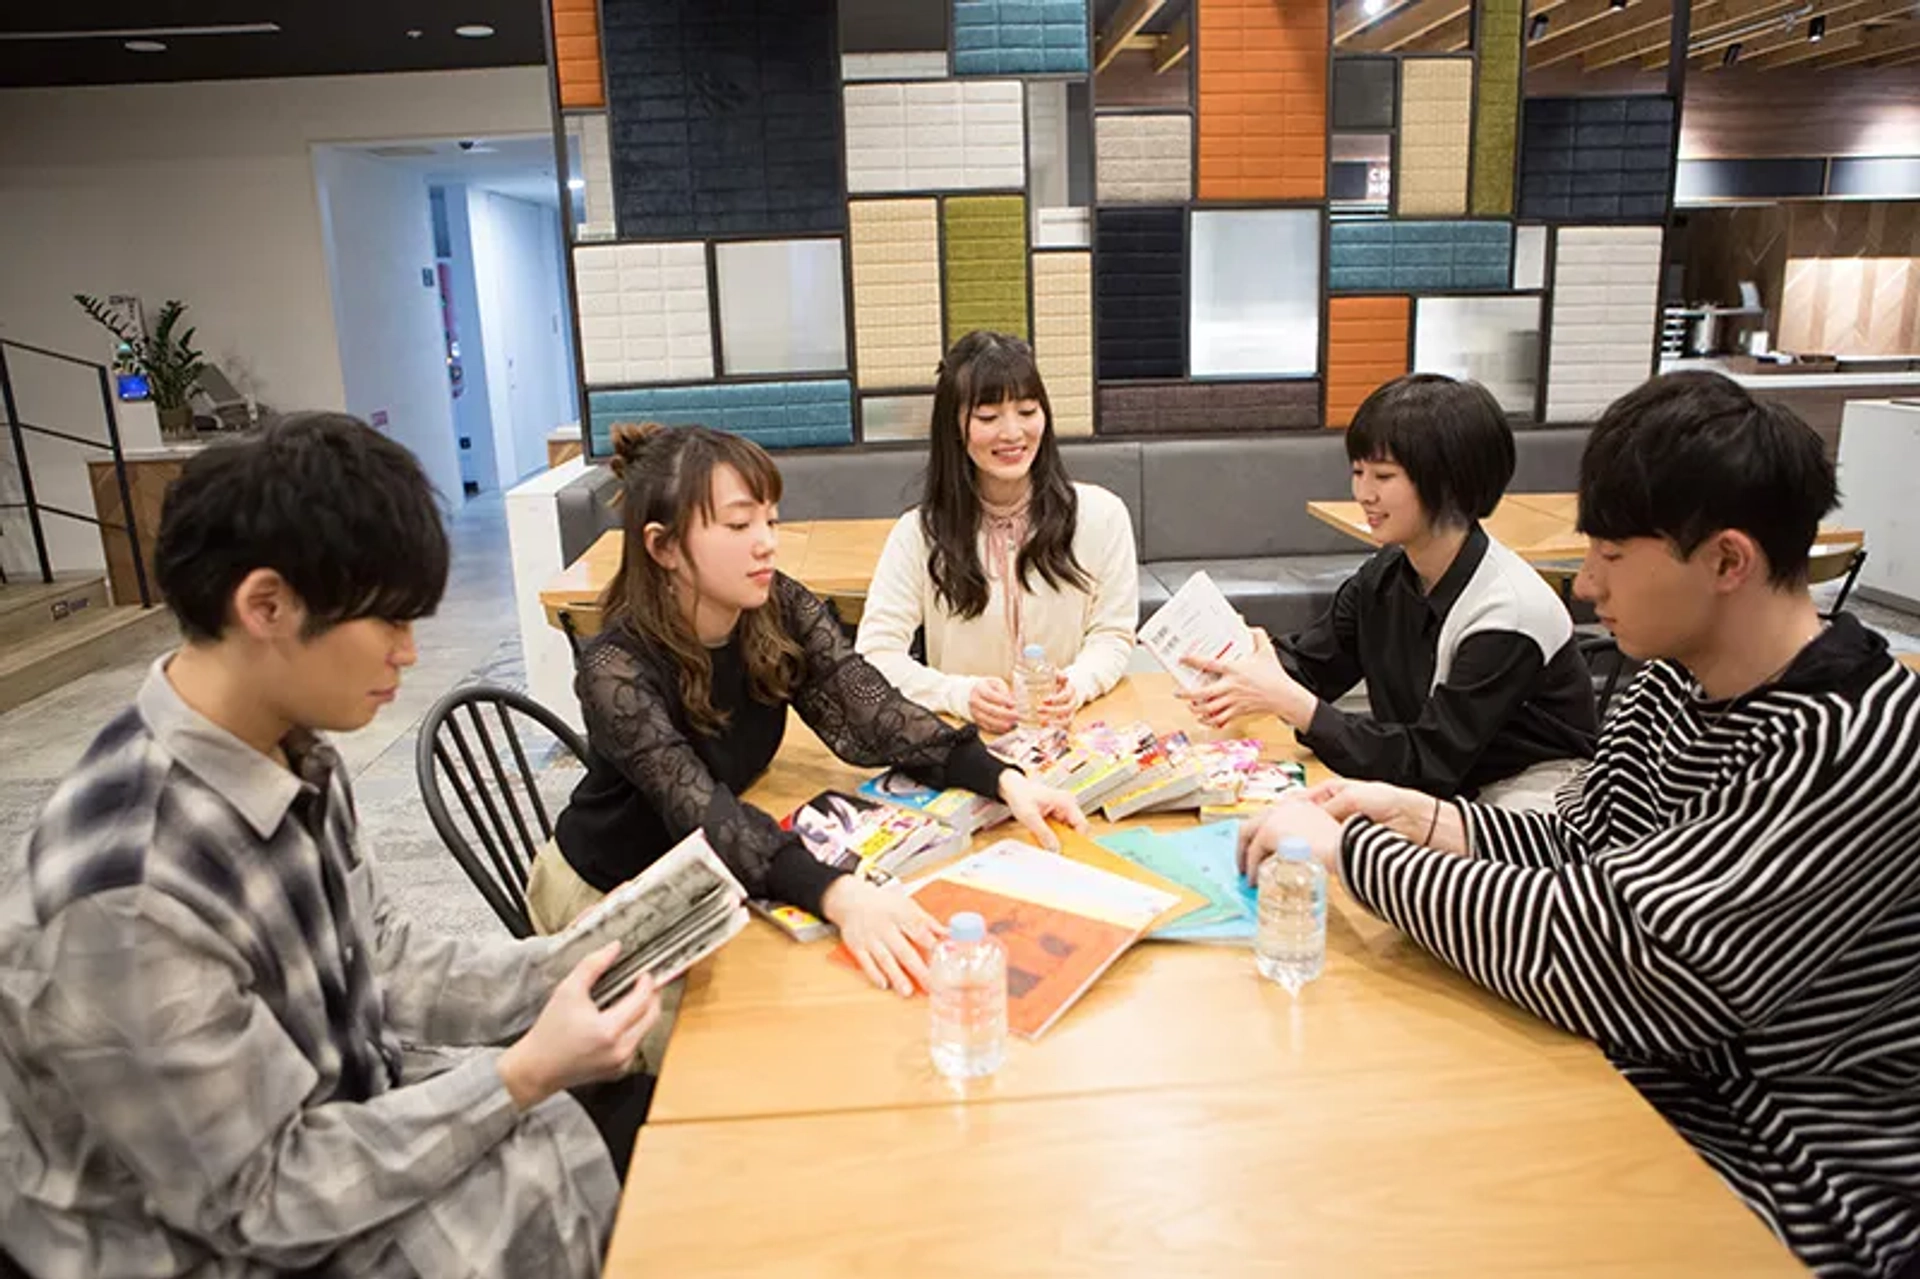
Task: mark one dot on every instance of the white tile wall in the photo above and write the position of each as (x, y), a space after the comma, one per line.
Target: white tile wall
(1063, 337)
(1529, 257)
(896, 291)
(596, 166)
(935, 136)
(643, 312)
(1606, 295)
(1144, 159)
(1070, 228)
(894, 66)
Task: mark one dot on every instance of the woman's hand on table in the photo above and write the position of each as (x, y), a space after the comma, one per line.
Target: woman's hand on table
(1295, 817)
(1062, 704)
(990, 705)
(1033, 804)
(885, 930)
(1410, 814)
(1254, 685)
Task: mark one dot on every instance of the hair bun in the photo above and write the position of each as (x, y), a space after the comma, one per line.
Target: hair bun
(630, 440)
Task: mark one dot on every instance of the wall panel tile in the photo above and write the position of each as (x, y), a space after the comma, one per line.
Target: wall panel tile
(986, 264)
(776, 415)
(576, 53)
(1063, 336)
(1394, 257)
(1019, 37)
(1497, 106)
(940, 135)
(1262, 98)
(1140, 292)
(1366, 347)
(756, 150)
(1436, 119)
(1143, 159)
(1606, 295)
(644, 315)
(1596, 159)
(1194, 408)
(896, 291)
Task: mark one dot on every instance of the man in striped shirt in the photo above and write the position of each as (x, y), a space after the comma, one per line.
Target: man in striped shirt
(1729, 901)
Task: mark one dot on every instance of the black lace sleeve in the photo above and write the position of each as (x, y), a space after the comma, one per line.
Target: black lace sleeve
(866, 721)
(629, 711)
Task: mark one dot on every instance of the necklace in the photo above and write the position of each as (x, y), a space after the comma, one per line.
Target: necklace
(1711, 717)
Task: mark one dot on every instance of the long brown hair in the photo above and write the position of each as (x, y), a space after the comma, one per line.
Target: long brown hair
(992, 368)
(666, 476)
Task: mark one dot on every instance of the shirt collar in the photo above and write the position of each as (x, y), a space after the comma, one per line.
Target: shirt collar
(257, 787)
(1441, 599)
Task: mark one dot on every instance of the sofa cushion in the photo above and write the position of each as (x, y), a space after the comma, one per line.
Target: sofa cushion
(584, 510)
(1281, 593)
(1235, 498)
(849, 484)
(1114, 465)
(1548, 459)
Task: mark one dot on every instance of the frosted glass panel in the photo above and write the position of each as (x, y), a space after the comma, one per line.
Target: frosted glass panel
(895, 417)
(1494, 341)
(1256, 293)
(1530, 257)
(782, 307)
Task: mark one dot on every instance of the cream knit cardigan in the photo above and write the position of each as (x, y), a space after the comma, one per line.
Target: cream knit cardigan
(1088, 634)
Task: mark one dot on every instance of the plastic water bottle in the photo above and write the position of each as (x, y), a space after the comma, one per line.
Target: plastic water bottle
(968, 991)
(1034, 680)
(1290, 944)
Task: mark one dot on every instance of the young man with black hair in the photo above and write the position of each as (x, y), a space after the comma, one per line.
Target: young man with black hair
(1475, 683)
(209, 1014)
(1729, 903)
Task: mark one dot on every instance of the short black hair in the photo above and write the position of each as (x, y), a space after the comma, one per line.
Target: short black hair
(344, 514)
(1686, 455)
(1451, 438)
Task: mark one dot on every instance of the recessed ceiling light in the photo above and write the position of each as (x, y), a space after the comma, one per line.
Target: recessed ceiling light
(474, 31)
(1372, 8)
(146, 46)
(415, 33)
(576, 184)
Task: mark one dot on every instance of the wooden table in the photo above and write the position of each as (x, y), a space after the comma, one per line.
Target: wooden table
(1535, 526)
(1184, 1118)
(832, 558)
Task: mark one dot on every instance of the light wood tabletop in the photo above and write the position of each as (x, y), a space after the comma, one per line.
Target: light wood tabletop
(1184, 1118)
(1538, 527)
(1466, 1171)
(832, 558)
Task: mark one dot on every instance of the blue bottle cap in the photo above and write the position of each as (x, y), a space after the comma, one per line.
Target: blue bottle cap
(1295, 849)
(967, 926)
(1033, 653)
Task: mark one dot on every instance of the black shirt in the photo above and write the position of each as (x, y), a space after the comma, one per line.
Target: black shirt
(1467, 685)
(653, 778)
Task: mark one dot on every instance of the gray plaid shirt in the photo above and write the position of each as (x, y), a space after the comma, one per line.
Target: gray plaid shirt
(203, 1004)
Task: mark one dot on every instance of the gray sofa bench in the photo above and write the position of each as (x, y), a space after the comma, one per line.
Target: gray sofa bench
(1234, 506)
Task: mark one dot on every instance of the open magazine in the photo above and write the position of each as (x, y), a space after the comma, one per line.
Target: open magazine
(667, 918)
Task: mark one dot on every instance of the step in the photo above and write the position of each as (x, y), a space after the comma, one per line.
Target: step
(94, 639)
(29, 608)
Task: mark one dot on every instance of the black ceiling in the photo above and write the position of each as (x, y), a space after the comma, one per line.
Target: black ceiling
(316, 37)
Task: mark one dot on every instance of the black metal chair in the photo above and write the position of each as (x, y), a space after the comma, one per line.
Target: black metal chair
(493, 770)
(1843, 561)
(1605, 663)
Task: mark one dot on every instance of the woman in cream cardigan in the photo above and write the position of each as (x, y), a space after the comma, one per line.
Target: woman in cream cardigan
(1002, 552)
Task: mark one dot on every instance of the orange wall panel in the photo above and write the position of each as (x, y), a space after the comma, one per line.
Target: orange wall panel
(1366, 347)
(576, 52)
(1262, 69)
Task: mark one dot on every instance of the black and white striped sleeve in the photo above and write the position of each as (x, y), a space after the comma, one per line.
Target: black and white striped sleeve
(1522, 837)
(1679, 940)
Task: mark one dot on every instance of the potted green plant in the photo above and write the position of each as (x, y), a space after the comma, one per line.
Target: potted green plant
(171, 365)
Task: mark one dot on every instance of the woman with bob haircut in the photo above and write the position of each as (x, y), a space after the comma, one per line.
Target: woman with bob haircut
(1475, 683)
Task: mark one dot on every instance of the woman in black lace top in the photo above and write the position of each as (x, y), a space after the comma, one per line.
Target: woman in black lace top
(686, 691)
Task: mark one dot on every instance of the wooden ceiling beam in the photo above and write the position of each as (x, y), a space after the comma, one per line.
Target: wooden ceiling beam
(1642, 19)
(1715, 23)
(1173, 47)
(1455, 36)
(1405, 25)
(1843, 30)
(1567, 19)
(1901, 38)
(1126, 24)
(1750, 34)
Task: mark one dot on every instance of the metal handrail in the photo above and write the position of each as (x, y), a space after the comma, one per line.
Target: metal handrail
(17, 428)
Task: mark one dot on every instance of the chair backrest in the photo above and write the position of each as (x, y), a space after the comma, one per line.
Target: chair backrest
(491, 751)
